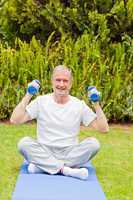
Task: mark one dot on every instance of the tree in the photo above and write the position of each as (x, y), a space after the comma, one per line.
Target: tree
(25, 18)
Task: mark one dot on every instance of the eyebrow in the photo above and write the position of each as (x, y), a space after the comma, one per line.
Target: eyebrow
(64, 79)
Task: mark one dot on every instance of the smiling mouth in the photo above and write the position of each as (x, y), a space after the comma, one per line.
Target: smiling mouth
(60, 89)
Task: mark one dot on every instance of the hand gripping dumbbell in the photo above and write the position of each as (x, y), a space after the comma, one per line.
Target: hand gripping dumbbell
(93, 93)
(33, 87)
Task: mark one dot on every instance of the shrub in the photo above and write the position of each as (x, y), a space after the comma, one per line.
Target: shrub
(109, 68)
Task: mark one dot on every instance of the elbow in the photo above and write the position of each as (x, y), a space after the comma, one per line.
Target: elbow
(12, 121)
(105, 130)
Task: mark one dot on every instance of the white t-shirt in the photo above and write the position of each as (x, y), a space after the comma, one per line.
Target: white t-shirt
(59, 124)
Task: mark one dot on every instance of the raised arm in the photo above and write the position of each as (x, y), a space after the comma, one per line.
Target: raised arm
(100, 123)
(19, 114)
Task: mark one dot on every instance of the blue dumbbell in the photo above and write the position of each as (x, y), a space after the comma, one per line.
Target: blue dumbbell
(33, 87)
(93, 93)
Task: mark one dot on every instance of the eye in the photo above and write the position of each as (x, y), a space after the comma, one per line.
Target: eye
(65, 81)
(58, 80)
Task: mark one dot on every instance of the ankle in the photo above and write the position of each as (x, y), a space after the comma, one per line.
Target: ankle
(32, 169)
(81, 173)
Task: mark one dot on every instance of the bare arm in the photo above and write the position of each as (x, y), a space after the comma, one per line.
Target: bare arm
(19, 114)
(100, 123)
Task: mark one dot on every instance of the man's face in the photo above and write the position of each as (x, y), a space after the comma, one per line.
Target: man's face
(61, 83)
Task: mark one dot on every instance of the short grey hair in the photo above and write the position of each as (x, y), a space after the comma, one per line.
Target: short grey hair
(62, 68)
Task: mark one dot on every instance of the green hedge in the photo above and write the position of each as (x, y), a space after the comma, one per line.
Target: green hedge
(26, 18)
(109, 68)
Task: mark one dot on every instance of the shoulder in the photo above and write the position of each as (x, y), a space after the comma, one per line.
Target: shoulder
(81, 104)
(77, 102)
(44, 97)
(75, 99)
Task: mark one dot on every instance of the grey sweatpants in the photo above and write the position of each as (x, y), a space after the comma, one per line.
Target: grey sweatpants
(52, 159)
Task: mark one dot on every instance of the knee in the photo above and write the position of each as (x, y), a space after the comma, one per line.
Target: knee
(23, 143)
(95, 144)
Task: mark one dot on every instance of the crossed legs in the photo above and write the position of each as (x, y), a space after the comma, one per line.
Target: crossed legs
(53, 160)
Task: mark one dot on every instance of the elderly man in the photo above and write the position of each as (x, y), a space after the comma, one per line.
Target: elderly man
(58, 116)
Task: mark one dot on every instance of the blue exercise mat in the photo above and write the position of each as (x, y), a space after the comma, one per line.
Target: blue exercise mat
(57, 187)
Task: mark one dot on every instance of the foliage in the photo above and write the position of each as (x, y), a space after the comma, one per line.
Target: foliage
(110, 69)
(94, 38)
(27, 18)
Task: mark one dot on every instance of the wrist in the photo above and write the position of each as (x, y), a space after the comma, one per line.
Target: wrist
(26, 99)
(28, 96)
(96, 103)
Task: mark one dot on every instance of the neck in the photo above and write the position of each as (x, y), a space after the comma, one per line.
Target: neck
(61, 99)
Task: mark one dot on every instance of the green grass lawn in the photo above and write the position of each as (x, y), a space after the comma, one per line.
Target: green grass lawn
(114, 163)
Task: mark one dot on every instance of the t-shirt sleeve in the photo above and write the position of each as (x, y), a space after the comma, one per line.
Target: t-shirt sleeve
(33, 109)
(87, 114)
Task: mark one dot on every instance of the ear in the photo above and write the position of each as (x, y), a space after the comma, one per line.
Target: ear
(70, 84)
(51, 79)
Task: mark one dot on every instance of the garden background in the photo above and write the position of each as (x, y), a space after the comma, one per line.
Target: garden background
(95, 39)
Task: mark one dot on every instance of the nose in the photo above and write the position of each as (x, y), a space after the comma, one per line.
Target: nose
(61, 83)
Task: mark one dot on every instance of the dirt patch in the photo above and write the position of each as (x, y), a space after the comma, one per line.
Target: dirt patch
(124, 126)
(5, 122)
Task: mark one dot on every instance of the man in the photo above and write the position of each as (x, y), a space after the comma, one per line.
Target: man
(58, 116)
